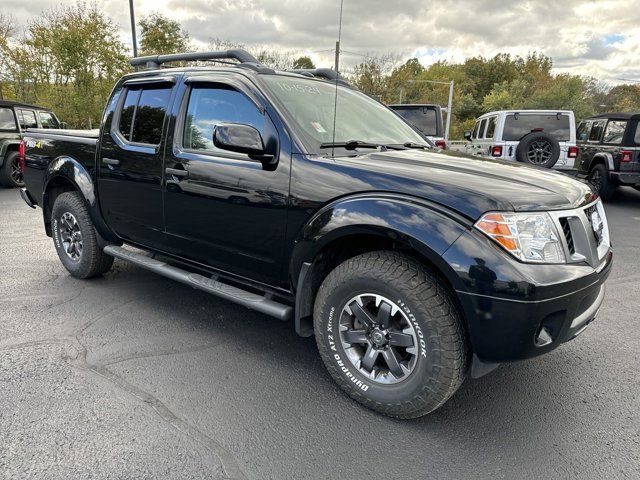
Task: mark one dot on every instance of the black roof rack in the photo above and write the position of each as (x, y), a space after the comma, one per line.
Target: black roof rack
(13, 103)
(155, 61)
(326, 73)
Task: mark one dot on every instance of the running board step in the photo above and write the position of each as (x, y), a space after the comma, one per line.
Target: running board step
(250, 300)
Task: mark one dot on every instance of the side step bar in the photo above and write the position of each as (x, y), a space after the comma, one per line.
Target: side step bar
(250, 300)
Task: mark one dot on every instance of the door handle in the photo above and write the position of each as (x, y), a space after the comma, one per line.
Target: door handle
(176, 172)
(111, 161)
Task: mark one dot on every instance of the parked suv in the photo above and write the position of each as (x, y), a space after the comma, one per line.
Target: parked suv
(15, 118)
(414, 267)
(427, 118)
(610, 151)
(545, 138)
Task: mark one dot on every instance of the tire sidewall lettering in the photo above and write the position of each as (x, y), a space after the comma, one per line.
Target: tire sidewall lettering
(416, 326)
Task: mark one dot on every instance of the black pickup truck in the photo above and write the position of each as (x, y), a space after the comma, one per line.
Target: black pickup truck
(609, 151)
(415, 268)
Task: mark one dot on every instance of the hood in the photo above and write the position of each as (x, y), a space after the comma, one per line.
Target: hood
(472, 185)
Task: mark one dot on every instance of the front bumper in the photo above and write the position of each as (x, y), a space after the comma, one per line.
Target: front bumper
(504, 330)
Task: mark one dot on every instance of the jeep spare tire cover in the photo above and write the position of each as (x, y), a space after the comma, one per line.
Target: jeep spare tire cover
(538, 148)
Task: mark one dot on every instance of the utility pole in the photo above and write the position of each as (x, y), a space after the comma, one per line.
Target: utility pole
(337, 64)
(133, 28)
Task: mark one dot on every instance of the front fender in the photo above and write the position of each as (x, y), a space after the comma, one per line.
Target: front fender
(68, 169)
(426, 227)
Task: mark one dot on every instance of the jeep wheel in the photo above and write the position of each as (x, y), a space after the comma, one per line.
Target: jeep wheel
(538, 148)
(10, 174)
(599, 179)
(390, 334)
(75, 238)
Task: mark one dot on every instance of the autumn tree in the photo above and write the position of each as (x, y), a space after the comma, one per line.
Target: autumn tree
(160, 35)
(303, 62)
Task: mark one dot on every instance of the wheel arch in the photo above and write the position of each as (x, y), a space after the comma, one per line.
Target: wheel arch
(601, 158)
(364, 223)
(66, 174)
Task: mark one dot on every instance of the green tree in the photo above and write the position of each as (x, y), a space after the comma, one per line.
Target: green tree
(68, 60)
(160, 35)
(303, 62)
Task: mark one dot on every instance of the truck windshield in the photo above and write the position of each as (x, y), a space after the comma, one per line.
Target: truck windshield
(423, 118)
(309, 105)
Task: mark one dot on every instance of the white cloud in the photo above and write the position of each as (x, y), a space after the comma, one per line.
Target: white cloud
(599, 38)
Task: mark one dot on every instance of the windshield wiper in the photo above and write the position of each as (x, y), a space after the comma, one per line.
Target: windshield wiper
(354, 144)
(350, 145)
(416, 145)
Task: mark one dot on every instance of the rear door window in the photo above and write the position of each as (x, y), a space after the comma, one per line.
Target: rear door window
(27, 119)
(143, 113)
(491, 128)
(517, 125)
(614, 132)
(636, 137)
(7, 120)
(48, 120)
(596, 131)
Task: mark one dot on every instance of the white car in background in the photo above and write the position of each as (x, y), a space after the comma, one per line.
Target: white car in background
(546, 138)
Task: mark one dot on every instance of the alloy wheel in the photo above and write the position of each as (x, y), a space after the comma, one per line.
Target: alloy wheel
(71, 236)
(16, 173)
(539, 152)
(595, 179)
(378, 338)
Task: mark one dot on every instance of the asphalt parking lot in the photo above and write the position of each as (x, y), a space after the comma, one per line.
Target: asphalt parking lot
(136, 376)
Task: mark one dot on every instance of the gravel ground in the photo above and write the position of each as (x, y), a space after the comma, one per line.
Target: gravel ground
(135, 376)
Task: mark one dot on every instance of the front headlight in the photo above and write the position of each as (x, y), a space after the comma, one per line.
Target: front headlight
(530, 237)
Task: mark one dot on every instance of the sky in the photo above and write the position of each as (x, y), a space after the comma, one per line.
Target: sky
(599, 38)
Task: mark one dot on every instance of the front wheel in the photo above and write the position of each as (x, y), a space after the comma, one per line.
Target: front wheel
(390, 334)
(75, 237)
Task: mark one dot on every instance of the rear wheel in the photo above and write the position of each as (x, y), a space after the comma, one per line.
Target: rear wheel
(10, 173)
(75, 238)
(599, 179)
(390, 334)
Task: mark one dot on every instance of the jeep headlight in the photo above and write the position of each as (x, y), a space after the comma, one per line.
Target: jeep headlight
(530, 237)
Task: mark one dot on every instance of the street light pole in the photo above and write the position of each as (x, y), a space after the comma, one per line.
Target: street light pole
(449, 106)
(133, 29)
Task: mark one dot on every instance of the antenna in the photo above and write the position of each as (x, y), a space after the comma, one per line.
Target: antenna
(335, 103)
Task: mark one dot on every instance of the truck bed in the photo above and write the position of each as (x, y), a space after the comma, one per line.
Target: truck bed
(95, 133)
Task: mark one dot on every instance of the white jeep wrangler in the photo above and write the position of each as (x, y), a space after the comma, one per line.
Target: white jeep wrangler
(546, 138)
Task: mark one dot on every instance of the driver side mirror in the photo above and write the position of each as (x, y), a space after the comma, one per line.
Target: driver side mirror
(467, 135)
(241, 138)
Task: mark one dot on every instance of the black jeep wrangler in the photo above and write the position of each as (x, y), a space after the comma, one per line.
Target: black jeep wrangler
(15, 118)
(413, 267)
(609, 154)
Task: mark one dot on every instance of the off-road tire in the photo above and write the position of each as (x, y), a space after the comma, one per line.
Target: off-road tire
(600, 181)
(92, 260)
(528, 143)
(444, 354)
(6, 177)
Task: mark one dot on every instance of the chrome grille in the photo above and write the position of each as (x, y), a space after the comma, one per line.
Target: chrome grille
(580, 242)
(568, 236)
